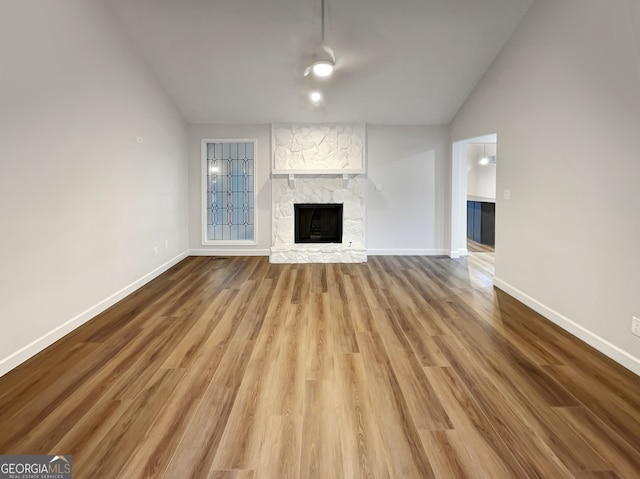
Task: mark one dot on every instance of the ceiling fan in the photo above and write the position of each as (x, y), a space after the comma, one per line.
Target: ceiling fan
(324, 60)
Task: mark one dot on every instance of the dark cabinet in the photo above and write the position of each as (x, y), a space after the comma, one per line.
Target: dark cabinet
(481, 222)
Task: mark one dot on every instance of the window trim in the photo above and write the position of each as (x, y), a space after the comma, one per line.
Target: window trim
(203, 192)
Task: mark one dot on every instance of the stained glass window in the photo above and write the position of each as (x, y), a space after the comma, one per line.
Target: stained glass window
(230, 191)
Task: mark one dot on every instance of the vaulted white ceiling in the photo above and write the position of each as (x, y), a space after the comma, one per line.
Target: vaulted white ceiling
(241, 61)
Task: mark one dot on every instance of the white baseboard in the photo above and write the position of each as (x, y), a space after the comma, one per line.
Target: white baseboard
(459, 253)
(33, 348)
(620, 356)
(267, 252)
(407, 252)
(229, 252)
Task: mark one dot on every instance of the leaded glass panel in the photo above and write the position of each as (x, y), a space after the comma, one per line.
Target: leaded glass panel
(230, 190)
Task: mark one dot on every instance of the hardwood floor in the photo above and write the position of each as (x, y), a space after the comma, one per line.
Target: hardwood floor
(404, 367)
(474, 247)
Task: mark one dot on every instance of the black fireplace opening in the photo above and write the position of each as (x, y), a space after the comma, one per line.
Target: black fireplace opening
(318, 222)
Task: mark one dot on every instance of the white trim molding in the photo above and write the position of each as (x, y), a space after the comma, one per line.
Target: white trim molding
(33, 348)
(407, 252)
(229, 252)
(605, 347)
(458, 253)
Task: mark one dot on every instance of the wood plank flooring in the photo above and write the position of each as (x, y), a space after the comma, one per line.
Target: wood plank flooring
(404, 367)
(474, 247)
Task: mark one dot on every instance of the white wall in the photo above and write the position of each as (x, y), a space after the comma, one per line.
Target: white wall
(408, 215)
(564, 100)
(481, 179)
(261, 133)
(81, 202)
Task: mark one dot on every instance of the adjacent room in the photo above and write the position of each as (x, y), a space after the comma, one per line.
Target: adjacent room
(321, 238)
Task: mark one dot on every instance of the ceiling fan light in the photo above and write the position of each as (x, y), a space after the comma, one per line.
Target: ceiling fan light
(322, 68)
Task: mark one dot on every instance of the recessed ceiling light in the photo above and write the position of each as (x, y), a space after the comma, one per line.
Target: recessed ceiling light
(484, 161)
(315, 97)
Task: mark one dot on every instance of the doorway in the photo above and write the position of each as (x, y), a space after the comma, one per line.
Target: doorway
(473, 199)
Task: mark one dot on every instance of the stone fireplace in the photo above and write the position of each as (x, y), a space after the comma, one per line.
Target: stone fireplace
(323, 166)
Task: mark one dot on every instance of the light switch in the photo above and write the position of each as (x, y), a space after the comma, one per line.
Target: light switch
(507, 194)
(378, 186)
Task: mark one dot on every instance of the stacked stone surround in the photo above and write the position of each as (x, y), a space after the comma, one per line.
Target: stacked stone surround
(318, 189)
(318, 148)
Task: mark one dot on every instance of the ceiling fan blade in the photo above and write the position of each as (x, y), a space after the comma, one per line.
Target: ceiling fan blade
(329, 52)
(307, 70)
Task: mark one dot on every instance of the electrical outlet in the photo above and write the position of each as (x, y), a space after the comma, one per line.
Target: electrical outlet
(635, 326)
(166, 244)
(139, 139)
(155, 251)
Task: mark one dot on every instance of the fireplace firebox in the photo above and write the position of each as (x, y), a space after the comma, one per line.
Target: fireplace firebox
(318, 222)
